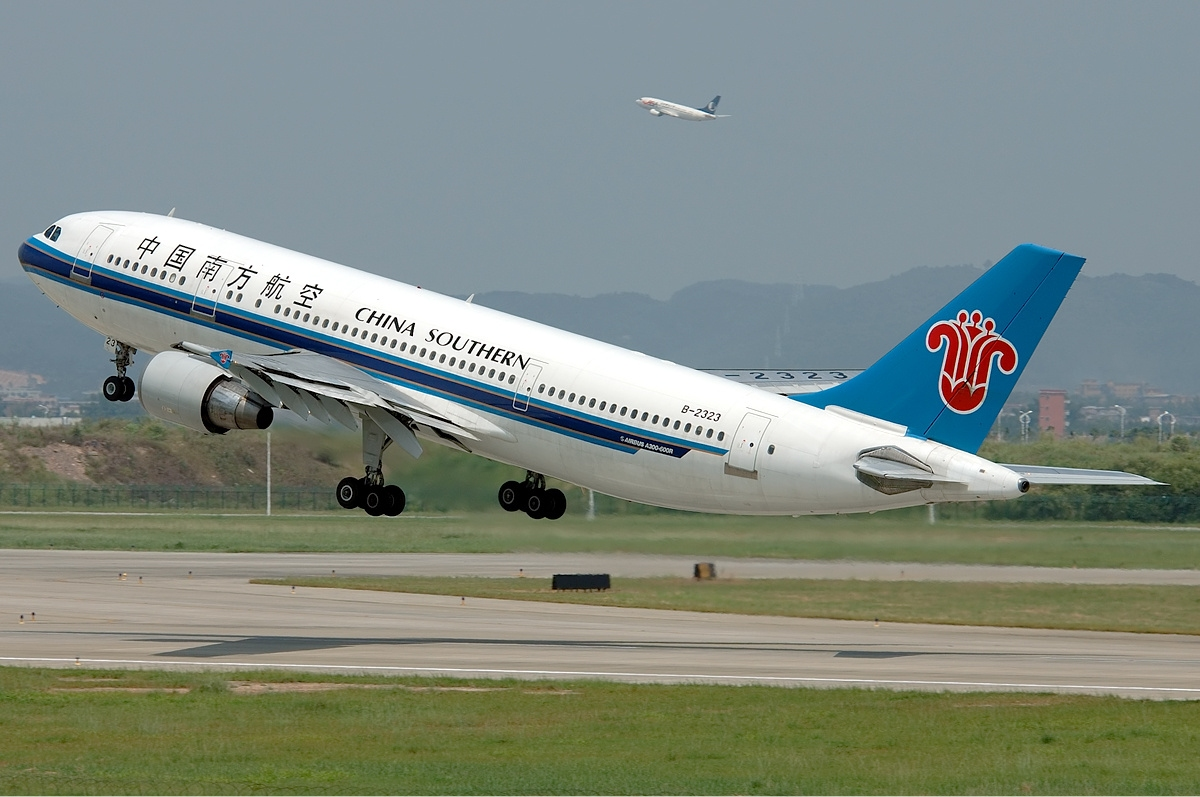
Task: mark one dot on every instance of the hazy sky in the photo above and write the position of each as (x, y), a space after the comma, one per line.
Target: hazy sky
(483, 146)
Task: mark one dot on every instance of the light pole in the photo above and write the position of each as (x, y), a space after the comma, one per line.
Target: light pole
(1025, 416)
(1161, 415)
(1121, 410)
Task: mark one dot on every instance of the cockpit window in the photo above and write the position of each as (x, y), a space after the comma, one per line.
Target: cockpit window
(49, 231)
(52, 232)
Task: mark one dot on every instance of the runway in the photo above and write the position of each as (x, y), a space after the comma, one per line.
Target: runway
(199, 611)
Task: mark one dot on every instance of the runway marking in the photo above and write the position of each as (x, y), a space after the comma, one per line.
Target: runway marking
(780, 679)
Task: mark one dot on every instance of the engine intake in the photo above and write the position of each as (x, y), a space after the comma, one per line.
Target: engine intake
(199, 395)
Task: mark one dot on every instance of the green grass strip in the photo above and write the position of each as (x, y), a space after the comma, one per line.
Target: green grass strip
(87, 732)
(885, 537)
(1147, 609)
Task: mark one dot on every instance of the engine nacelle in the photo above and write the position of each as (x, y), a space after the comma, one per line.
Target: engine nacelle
(199, 395)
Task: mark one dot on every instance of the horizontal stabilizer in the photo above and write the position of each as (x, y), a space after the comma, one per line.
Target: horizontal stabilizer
(1038, 474)
(891, 471)
(785, 381)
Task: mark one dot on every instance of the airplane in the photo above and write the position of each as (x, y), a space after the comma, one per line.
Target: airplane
(238, 329)
(663, 108)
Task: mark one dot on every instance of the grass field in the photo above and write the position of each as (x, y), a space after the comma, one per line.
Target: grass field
(898, 537)
(1146, 609)
(84, 732)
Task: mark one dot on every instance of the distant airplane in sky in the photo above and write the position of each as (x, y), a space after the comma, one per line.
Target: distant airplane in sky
(658, 107)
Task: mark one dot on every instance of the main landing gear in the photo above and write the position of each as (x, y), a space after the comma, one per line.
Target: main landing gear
(120, 387)
(370, 493)
(532, 497)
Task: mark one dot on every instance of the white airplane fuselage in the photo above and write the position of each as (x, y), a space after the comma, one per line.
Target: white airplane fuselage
(664, 108)
(589, 413)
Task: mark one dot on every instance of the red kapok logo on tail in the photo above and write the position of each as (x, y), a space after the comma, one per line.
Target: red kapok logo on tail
(972, 344)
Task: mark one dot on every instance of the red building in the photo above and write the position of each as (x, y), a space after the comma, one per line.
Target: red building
(1052, 413)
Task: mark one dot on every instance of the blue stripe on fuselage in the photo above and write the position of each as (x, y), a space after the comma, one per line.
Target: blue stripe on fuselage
(38, 257)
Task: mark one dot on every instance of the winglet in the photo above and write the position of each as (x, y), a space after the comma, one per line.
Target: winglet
(223, 358)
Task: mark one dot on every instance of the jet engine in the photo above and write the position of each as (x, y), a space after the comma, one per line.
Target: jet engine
(199, 395)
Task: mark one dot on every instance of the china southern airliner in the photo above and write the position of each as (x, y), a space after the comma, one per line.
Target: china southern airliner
(236, 329)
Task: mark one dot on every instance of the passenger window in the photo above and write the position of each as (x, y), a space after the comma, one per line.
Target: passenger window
(591, 403)
(442, 359)
(110, 258)
(374, 336)
(492, 374)
(676, 424)
(708, 433)
(572, 398)
(562, 393)
(655, 421)
(541, 389)
(512, 378)
(720, 435)
(622, 412)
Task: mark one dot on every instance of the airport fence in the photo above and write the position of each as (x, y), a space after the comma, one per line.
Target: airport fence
(164, 497)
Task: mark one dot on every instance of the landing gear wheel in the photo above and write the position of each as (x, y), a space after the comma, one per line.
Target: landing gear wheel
(511, 496)
(393, 500)
(536, 504)
(128, 388)
(349, 492)
(557, 503)
(114, 389)
(372, 501)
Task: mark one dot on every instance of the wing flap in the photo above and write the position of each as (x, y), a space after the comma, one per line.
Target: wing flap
(311, 384)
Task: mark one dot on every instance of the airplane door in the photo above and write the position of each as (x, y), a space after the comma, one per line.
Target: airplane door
(81, 269)
(743, 454)
(526, 385)
(209, 282)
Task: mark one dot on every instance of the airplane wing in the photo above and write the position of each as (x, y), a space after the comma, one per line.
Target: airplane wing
(785, 382)
(311, 384)
(1040, 474)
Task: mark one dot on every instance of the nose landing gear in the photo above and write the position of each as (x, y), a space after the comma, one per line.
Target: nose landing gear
(120, 387)
(532, 498)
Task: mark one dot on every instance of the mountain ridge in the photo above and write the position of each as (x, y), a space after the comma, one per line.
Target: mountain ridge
(1116, 328)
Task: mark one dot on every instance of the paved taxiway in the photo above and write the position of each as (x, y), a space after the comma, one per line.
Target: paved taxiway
(198, 610)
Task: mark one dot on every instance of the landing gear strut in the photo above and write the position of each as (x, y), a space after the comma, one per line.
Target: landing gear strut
(370, 493)
(120, 387)
(532, 497)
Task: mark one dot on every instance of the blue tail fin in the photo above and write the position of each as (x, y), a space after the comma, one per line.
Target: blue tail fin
(948, 380)
(712, 105)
